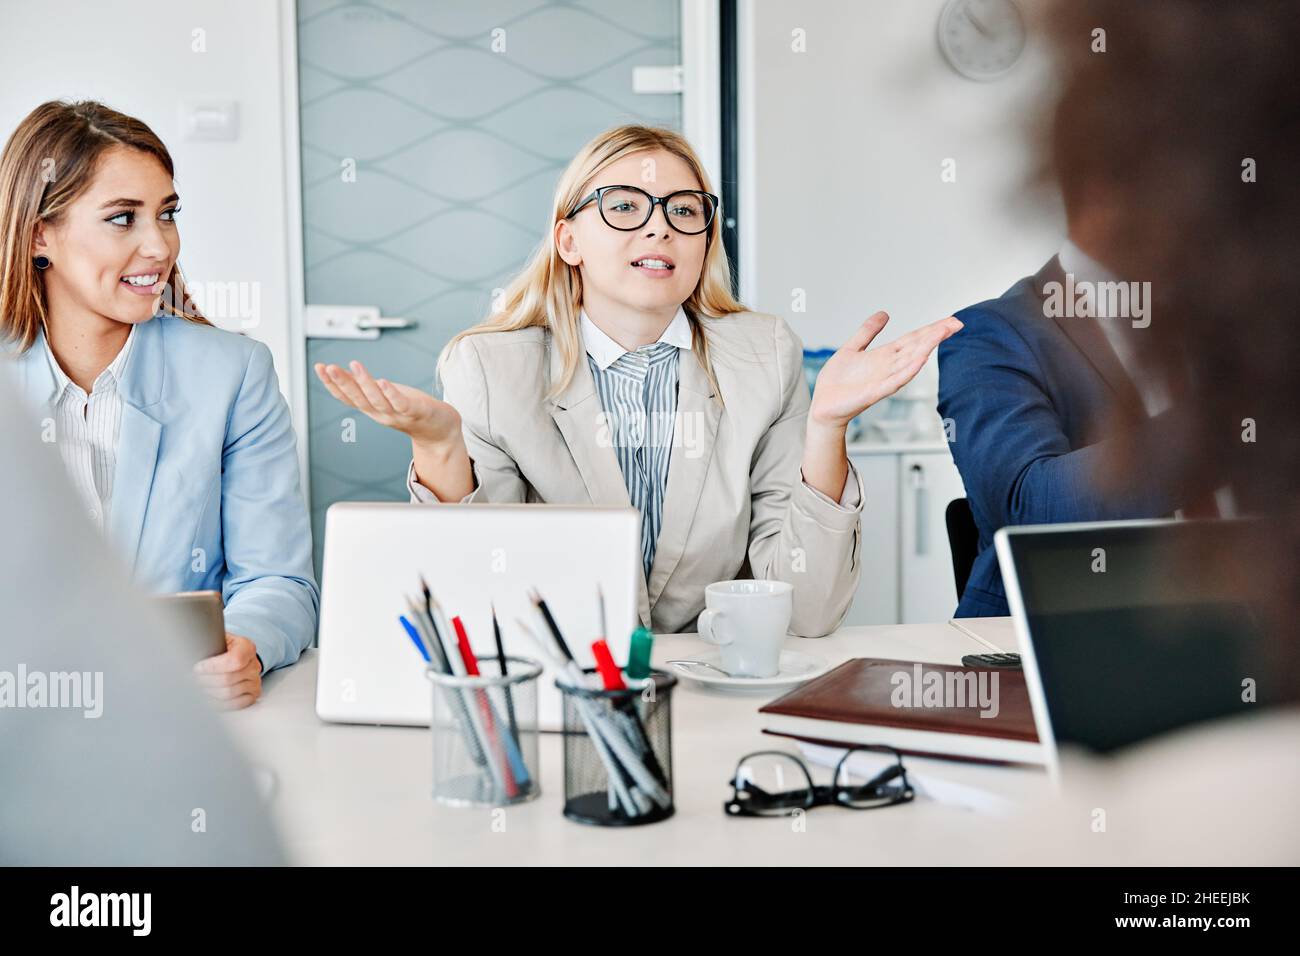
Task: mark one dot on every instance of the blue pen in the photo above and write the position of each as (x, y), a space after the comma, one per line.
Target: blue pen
(513, 755)
(415, 637)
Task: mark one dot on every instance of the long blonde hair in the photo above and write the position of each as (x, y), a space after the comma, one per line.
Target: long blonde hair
(550, 287)
(47, 163)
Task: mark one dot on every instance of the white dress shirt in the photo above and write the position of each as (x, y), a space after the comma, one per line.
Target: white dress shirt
(86, 428)
(604, 351)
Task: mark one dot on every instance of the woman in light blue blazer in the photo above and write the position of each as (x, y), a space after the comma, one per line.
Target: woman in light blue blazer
(174, 433)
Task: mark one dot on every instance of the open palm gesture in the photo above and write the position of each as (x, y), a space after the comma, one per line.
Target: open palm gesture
(855, 377)
(402, 407)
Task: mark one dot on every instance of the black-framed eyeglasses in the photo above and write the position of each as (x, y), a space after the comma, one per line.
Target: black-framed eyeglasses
(772, 783)
(689, 211)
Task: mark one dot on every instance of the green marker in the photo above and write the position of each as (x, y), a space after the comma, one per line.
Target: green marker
(638, 655)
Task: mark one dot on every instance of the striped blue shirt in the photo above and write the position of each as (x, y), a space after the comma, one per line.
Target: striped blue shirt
(638, 395)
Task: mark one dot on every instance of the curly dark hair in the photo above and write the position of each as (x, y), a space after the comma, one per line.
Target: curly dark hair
(1188, 124)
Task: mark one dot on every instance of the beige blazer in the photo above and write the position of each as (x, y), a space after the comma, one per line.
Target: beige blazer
(735, 504)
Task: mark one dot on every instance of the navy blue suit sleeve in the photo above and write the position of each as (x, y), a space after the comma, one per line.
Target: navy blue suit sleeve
(1008, 440)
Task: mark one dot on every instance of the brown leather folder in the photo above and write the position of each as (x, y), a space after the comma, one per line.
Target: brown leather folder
(971, 713)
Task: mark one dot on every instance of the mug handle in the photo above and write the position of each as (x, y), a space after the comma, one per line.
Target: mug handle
(704, 625)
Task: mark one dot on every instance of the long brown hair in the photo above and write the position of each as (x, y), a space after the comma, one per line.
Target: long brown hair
(550, 286)
(47, 163)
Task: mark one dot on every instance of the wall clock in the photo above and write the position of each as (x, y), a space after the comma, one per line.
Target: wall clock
(982, 39)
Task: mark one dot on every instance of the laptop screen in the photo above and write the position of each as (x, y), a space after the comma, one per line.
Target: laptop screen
(1139, 629)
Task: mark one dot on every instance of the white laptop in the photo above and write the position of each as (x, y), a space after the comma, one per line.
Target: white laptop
(1130, 629)
(473, 557)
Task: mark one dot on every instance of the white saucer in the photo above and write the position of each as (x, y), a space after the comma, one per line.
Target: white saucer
(796, 667)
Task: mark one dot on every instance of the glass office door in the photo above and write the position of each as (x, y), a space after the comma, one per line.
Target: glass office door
(432, 134)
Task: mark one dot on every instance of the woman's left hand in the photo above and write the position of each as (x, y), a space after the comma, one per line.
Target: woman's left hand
(855, 377)
(233, 678)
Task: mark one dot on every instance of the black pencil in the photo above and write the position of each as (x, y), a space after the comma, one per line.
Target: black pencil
(505, 668)
(496, 635)
(428, 595)
(554, 628)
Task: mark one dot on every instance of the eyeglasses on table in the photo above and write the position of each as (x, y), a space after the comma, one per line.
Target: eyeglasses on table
(769, 783)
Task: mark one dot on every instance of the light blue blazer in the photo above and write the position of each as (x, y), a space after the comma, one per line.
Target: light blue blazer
(206, 493)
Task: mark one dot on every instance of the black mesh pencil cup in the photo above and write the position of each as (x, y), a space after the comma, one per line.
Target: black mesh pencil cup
(618, 754)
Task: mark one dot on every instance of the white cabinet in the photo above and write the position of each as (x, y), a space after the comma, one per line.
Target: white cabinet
(877, 599)
(926, 589)
(906, 563)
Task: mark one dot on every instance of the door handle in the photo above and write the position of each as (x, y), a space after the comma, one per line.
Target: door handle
(349, 322)
(920, 503)
(384, 323)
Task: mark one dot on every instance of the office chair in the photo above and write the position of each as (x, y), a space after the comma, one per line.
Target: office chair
(963, 540)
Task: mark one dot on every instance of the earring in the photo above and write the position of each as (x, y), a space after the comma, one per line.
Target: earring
(41, 262)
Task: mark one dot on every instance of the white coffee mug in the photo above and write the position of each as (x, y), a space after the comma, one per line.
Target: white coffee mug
(748, 620)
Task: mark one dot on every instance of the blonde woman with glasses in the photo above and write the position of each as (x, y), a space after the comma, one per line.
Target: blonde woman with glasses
(620, 371)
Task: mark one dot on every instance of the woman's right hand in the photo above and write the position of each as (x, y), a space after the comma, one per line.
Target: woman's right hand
(425, 419)
(442, 462)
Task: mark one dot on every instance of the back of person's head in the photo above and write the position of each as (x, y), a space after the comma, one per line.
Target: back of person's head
(1183, 114)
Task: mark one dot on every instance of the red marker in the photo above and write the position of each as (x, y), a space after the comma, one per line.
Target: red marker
(609, 672)
(466, 652)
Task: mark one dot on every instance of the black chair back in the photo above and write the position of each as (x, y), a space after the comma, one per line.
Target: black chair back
(963, 540)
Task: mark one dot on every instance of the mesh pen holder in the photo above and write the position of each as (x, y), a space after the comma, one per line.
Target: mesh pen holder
(485, 734)
(618, 754)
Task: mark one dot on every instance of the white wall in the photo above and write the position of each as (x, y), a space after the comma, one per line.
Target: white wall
(138, 56)
(840, 164)
(842, 175)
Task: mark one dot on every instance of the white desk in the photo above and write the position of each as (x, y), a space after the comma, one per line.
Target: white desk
(360, 795)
